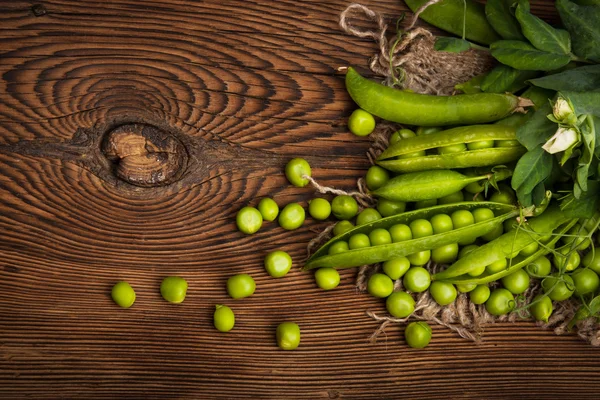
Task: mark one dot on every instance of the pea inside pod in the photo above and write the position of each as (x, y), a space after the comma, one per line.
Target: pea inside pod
(464, 135)
(380, 253)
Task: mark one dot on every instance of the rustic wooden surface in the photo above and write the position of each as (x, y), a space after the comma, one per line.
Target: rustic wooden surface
(248, 85)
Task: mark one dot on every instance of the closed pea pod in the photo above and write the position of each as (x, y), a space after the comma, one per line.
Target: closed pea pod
(408, 108)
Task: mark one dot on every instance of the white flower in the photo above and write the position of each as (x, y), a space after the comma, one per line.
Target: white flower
(563, 139)
(563, 111)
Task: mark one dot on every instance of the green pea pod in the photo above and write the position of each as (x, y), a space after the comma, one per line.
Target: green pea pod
(538, 96)
(426, 185)
(465, 159)
(449, 15)
(428, 110)
(507, 245)
(516, 263)
(380, 253)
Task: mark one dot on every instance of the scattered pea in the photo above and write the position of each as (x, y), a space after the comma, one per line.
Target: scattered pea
(344, 207)
(249, 220)
(342, 227)
(278, 263)
(500, 302)
(367, 215)
(223, 318)
(416, 279)
(480, 294)
(361, 123)
(288, 335)
(387, 208)
(123, 294)
(517, 282)
(417, 334)
(396, 267)
(400, 304)
(419, 258)
(380, 285)
(292, 216)
(443, 293)
(268, 209)
(240, 286)
(376, 177)
(319, 208)
(296, 171)
(327, 278)
(173, 289)
(541, 308)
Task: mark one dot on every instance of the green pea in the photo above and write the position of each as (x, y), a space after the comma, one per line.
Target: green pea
(400, 304)
(474, 188)
(482, 214)
(585, 281)
(558, 288)
(327, 278)
(387, 208)
(480, 294)
(465, 287)
(421, 228)
(441, 223)
(173, 289)
(452, 198)
(415, 154)
(395, 138)
(461, 219)
(361, 123)
(287, 335)
(592, 260)
(396, 267)
(342, 227)
(249, 220)
(278, 263)
(240, 286)
(477, 271)
(296, 171)
(380, 285)
(539, 268)
(367, 215)
(416, 279)
(417, 334)
(123, 294)
(566, 259)
(292, 216)
(223, 318)
(376, 177)
(319, 209)
(380, 236)
(500, 302)
(445, 254)
(358, 241)
(529, 250)
(419, 258)
(268, 208)
(400, 233)
(453, 148)
(406, 133)
(344, 207)
(506, 195)
(541, 308)
(427, 130)
(517, 282)
(497, 266)
(481, 144)
(443, 293)
(507, 143)
(338, 247)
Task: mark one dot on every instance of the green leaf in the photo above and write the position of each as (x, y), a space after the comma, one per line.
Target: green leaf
(537, 129)
(583, 22)
(581, 79)
(501, 18)
(532, 168)
(586, 205)
(471, 86)
(588, 134)
(523, 56)
(504, 79)
(541, 34)
(538, 194)
(595, 305)
(584, 102)
(451, 45)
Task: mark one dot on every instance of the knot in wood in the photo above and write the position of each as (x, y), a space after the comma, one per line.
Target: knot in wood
(144, 155)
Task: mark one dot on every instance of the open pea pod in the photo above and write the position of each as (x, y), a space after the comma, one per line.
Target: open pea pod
(507, 245)
(464, 159)
(380, 253)
(516, 263)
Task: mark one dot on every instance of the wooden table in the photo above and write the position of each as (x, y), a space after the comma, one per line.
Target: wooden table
(234, 90)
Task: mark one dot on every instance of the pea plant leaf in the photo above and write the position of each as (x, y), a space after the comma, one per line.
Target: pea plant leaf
(580, 79)
(585, 160)
(541, 34)
(504, 79)
(501, 18)
(523, 56)
(584, 102)
(583, 23)
(532, 168)
(537, 129)
(586, 205)
(451, 45)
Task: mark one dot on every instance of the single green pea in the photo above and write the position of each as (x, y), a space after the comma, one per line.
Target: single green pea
(417, 334)
(480, 294)
(497, 266)
(461, 219)
(585, 281)
(249, 220)
(338, 247)
(482, 214)
(419, 153)
(361, 123)
(173, 289)
(240, 286)
(327, 278)
(500, 302)
(278, 263)
(465, 287)
(506, 195)
(507, 143)
(517, 282)
(566, 259)
(396, 267)
(292, 216)
(539, 268)
(296, 171)
(395, 138)
(421, 228)
(342, 227)
(268, 209)
(443, 293)
(541, 308)
(419, 258)
(400, 233)
(367, 215)
(380, 285)
(123, 294)
(344, 207)
(287, 335)
(452, 198)
(406, 133)
(223, 318)
(477, 271)
(557, 288)
(592, 260)
(380, 236)
(376, 177)
(319, 208)
(481, 144)
(453, 148)
(441, 223)
(474, 187)
(400, 304)
(387, 208)
(428, 130)
(416, 279)
(445, 254)
(530, 249)
(358, 241)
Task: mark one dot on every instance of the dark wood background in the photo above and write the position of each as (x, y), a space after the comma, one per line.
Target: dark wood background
(249, 85)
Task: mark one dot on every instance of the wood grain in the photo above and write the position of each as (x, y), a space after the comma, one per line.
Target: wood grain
(246, 85)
